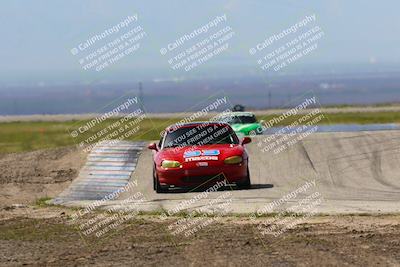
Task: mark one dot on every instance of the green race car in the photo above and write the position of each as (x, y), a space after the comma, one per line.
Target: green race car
(243, 123)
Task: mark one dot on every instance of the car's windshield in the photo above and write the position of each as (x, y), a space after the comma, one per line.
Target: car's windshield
(241, 119)
(198, 135)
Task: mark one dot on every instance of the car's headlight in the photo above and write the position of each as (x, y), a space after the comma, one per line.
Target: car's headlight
(170, 164)
(233, 160)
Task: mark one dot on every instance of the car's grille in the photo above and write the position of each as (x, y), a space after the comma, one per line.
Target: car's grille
(203, 178)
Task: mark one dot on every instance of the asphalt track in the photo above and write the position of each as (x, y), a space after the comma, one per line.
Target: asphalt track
(353, 172)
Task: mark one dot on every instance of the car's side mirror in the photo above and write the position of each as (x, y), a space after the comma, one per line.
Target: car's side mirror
(246, 140)
(152, 146)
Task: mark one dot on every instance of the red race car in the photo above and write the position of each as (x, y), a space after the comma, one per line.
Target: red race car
(194, 154)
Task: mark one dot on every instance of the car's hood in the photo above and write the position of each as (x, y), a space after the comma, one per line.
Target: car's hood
(205, 153)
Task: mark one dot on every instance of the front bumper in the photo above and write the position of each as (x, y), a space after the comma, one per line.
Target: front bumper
(195, 176)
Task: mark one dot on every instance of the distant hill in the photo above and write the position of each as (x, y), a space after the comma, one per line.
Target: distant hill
(178, 96)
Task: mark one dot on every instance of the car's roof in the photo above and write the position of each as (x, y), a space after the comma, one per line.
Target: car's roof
(241, 113)
(192, 124)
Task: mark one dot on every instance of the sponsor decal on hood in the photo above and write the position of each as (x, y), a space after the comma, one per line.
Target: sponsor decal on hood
(199, 155)
(196, 153)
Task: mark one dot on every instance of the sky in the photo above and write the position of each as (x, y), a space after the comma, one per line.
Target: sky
(37, 36)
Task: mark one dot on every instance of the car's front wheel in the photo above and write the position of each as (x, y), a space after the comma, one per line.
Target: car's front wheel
(252, 133)
(246, 184)
(156, 184)
(160, 188)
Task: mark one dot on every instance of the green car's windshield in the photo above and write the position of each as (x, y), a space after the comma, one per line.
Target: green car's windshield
(242, 119)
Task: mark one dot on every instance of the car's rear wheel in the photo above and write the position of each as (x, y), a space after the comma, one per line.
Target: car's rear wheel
(246, 184)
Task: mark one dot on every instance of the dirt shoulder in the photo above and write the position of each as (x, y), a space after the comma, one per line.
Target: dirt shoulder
(48, 236)
(45, 236)
(26, 177)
